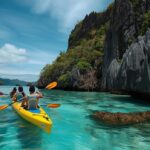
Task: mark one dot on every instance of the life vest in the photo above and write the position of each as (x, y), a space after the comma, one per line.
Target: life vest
(19, 96)
(32, 102)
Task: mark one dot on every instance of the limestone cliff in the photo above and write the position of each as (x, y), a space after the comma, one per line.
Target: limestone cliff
(79, 67)
(127, 22)
(133, 73)
(106, 51)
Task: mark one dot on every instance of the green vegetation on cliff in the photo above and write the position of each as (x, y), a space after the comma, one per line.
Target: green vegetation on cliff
(94, 43)
(84, 55)
(146, 23)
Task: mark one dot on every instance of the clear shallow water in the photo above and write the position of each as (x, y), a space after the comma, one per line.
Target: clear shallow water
(73, 128)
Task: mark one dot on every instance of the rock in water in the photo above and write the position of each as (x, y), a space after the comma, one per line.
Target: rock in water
(122, 118)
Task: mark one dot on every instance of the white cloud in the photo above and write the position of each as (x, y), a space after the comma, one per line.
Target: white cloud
(14, 60)
(66, 12)
(11, 54)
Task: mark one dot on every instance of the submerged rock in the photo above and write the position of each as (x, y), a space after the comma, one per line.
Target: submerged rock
(122, 118)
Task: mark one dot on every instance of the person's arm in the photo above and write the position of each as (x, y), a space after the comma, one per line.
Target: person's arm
(24, 101)
(24, 96)
(37, 102)
(14, 98)
(39, 95)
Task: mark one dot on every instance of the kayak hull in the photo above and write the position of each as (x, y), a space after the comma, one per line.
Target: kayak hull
(40, 119)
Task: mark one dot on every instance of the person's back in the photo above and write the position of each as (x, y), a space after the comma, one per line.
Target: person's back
(20, 95)
(32, 101)
(13, 94)
(33, 98)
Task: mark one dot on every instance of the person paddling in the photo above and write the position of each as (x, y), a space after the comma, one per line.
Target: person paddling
(21, 96)
(33, 98)
(13, 93)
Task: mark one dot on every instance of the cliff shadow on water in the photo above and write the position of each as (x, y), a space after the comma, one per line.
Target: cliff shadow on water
(133, 98)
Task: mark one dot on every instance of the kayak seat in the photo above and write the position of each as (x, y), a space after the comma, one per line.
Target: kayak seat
(34, 110)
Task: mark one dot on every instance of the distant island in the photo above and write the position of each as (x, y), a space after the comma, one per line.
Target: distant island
(22, 77)
(14, 82)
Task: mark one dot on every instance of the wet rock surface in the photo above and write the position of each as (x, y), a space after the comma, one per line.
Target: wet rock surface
(122, 118)
(126, 54)
(133, 73)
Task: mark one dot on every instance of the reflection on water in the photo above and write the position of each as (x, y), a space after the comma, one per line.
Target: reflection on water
(3, 128)
(28, 135)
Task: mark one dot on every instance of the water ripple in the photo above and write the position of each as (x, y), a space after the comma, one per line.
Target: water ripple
(73, 128)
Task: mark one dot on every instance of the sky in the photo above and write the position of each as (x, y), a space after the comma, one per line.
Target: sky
(34, 32)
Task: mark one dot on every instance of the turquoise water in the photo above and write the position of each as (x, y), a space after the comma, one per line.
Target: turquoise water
(73, 128)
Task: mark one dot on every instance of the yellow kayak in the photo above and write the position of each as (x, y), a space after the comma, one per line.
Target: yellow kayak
(36, 117)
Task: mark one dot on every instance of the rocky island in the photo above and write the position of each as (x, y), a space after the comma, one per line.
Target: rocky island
(108, 51)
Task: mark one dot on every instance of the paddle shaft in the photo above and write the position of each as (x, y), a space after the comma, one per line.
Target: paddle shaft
(49, 86)
(15, 101)
(51, 105)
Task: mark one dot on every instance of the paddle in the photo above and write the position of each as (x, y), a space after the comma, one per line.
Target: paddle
(6, 105)
(51, 105)
(48, 105)
(49, 86)
(3, 107)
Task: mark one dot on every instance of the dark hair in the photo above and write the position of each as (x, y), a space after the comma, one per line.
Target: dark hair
(14, 89)
(20, 89)
(32, 89)
(13, 92)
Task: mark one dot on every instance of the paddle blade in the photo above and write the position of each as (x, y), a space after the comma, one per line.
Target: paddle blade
(3, 107)
(51, 85)
(53, 105)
